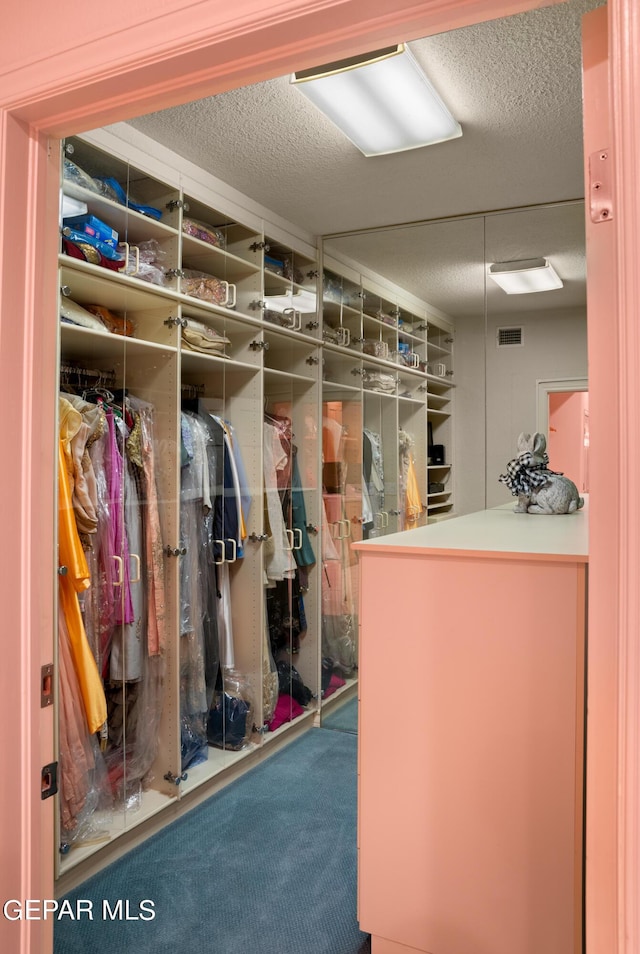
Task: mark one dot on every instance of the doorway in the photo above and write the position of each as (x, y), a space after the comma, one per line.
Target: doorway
(563, 417)
(48, 111)
(485, 235)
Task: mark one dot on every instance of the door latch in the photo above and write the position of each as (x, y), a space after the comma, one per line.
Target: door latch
(49, 780)
(600, 186)
(46, 686)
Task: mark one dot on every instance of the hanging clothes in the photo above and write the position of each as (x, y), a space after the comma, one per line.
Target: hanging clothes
(114, 465)
(412, 508)
(339, 629)
(303, 554)
(202, 484)
(279, 560)
(233, 486)
(289, 554)
(76, 578)
(214, 505)
(140, 450)
(373, 477)
(125, 662)
(109, 493)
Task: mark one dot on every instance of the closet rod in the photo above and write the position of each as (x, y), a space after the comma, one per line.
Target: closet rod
(192, 390)
(76, 371)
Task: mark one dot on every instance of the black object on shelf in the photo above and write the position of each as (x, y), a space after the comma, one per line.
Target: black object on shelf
(435, 453)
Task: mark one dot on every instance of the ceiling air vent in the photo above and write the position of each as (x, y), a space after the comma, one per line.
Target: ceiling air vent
(509, 337)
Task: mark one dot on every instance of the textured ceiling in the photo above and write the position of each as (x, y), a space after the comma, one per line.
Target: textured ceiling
(444, 262)
(515, 87)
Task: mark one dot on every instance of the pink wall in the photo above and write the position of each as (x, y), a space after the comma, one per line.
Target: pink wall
(566, 448)
(64, 71)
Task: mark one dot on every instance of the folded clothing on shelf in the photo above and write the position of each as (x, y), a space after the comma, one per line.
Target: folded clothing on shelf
(197, 336)
(74, 176)
(380, 381)
(116, 324)
(113, 190)
(275, 265)
(71, 206)
(92, 226)
(208, 288)
(84, 248)
(79, 238)
(375, 347)
(286, 710)
(145, 261)
(204, 232)
(74, 314)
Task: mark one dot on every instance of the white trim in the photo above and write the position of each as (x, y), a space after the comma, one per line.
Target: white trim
(544, 388)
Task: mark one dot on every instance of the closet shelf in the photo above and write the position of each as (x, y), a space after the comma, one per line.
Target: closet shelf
(131, 226)
(208, 258)
(438, 349)
(152, 803)
(419, 401)
(273, 374)
(126, 291)
(79, 342)
(91, 284)
(270, 738)
(410, 337)
(218, 761)
(208, 363)
(334, 310)
(294, 339)
(441, 399)
(274, 387)
(204, 310)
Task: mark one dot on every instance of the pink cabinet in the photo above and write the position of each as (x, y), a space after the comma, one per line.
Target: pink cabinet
(472, 736)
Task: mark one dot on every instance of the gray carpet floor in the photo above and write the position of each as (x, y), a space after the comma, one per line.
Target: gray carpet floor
(266, 866)
(344, 718)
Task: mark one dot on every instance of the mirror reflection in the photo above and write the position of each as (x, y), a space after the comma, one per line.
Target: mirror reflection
(513, 352)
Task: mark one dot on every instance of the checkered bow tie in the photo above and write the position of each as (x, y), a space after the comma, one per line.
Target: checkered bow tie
(526, 473)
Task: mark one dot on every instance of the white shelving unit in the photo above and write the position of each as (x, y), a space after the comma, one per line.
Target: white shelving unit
(308, 339)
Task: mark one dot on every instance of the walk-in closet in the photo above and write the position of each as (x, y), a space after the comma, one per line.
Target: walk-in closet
(271, 347)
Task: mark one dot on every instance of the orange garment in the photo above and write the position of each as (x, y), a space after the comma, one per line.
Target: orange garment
(413, 503)
(71, 555)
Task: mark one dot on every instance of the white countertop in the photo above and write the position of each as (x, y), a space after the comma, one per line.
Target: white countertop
(499, 531)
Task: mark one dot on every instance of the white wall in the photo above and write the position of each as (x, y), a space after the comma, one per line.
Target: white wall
(487, 426)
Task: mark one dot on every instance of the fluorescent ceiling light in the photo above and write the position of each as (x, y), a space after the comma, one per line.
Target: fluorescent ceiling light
(520, 278)
(382, 101)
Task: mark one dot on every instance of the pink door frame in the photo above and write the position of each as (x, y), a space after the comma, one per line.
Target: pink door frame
(62, 73)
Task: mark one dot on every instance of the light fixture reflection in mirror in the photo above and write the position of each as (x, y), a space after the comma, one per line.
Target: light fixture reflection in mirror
(525, 277)
(445, 263)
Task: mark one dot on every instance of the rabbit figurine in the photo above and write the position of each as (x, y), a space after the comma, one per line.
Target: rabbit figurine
(538, 489)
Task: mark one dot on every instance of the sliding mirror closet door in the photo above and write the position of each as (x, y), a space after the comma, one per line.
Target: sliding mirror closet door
(380, 449)
(118, 492)
(428, 299)
(535, 337)
(342, 522)
(343, 513)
